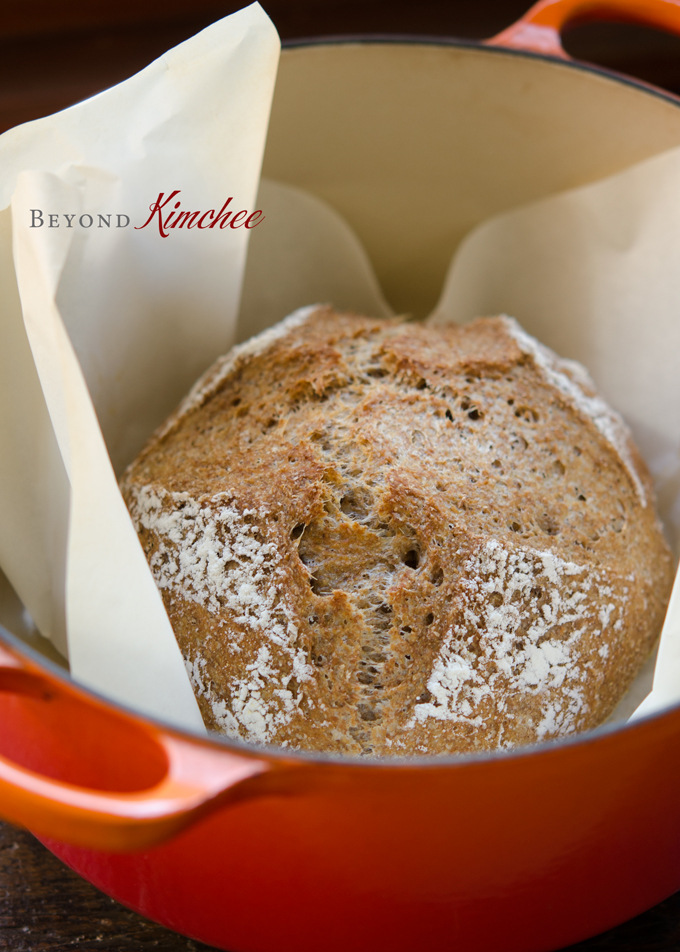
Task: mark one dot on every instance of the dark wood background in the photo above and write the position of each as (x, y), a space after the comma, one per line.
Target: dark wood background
(53, 54)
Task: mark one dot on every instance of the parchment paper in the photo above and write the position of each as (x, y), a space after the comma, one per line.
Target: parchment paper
(129, 315)
(307, 252)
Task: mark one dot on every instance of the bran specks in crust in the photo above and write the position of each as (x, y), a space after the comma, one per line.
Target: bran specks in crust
(378, 537)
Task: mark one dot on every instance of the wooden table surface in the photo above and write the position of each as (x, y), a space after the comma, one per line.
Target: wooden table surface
(52, 55)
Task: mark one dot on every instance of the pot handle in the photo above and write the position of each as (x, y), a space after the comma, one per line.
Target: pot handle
(538, 31)
(197, 779)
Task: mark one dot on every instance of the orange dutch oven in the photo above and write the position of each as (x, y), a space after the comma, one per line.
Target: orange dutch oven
(252, 849)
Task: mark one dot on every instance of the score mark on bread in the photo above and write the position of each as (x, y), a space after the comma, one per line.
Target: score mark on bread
(378, 537)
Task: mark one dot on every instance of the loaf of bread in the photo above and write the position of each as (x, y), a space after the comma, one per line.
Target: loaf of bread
(379, 537)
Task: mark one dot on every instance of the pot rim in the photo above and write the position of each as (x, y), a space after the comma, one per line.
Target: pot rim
(415, 39)
(320, 758)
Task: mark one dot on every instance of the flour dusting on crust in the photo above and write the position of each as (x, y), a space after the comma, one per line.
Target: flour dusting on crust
(533, 610)
(211, 553)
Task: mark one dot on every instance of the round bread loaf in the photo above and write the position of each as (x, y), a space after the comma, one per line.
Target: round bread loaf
(378, 537)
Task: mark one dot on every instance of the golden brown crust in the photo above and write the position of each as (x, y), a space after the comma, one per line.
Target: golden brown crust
(378, 537)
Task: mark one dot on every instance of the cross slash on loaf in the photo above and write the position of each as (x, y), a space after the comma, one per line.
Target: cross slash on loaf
(376, 537)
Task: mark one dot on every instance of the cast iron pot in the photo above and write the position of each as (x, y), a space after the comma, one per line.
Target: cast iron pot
(252, 850)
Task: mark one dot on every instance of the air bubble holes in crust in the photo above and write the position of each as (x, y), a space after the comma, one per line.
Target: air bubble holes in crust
(527, 414)
(367, 713)
(547, 524)
(318, 588)
(437, 576)
(357, 503)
